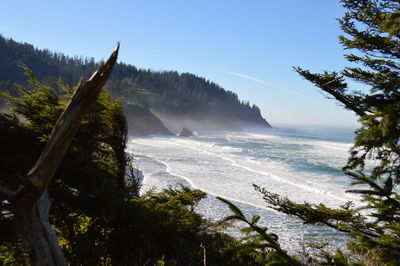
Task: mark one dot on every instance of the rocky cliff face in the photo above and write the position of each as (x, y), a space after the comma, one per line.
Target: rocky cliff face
(142, 122)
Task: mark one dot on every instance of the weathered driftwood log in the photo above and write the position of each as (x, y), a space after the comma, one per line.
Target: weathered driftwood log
(30, 202)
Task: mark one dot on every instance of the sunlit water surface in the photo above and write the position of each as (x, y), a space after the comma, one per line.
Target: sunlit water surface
(302, 163)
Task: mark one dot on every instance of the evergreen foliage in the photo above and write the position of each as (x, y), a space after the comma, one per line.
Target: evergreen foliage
(96, 209)
(372, 32)
(178, 95)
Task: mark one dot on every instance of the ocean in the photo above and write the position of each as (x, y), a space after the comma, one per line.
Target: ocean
(300, 162)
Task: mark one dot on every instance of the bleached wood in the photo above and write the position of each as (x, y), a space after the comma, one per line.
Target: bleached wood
(31, 203)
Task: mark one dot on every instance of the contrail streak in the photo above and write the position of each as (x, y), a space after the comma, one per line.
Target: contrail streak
(269, 85)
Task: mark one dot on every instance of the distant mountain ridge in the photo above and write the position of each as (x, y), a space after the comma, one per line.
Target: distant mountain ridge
(151, 99)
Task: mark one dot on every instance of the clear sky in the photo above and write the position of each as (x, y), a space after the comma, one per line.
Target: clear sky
(248, 47)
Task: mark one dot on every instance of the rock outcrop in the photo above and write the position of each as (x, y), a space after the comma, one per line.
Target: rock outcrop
(142, 122)
(186, 133)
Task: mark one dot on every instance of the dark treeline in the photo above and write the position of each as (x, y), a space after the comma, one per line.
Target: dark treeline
(46, 64)
(96, 210)
(167, 92)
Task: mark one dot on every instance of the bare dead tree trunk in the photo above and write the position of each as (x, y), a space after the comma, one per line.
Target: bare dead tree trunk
(33, 226)
(31, 202)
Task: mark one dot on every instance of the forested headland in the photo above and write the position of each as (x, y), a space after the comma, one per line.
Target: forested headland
(179, 100)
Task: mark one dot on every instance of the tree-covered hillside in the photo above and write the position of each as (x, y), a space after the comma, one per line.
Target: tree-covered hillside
(180, 100)
(96, 215)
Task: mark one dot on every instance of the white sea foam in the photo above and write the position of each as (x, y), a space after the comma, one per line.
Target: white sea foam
(227, 165)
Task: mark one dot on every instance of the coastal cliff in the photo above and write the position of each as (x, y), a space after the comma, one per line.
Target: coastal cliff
(155, 102)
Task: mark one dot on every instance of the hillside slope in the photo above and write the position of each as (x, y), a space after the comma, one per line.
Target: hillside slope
(179, 100)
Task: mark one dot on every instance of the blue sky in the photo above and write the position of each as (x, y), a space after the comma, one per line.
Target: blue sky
(248, 47)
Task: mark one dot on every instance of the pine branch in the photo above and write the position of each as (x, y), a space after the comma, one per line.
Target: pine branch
(344, 220)
(333, 84)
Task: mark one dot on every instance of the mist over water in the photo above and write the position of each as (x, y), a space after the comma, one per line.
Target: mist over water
(202, 122)
(301, 162)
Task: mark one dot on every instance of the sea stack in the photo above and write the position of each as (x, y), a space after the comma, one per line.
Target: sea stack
(186, 133)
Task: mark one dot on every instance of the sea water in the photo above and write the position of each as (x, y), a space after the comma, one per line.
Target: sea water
(303, 163)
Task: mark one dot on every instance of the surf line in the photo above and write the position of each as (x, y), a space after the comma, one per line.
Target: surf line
(170, 171)
(234, 163)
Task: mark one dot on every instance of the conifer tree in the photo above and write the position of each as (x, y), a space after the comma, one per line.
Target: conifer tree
(27, 195)
(372, 35)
